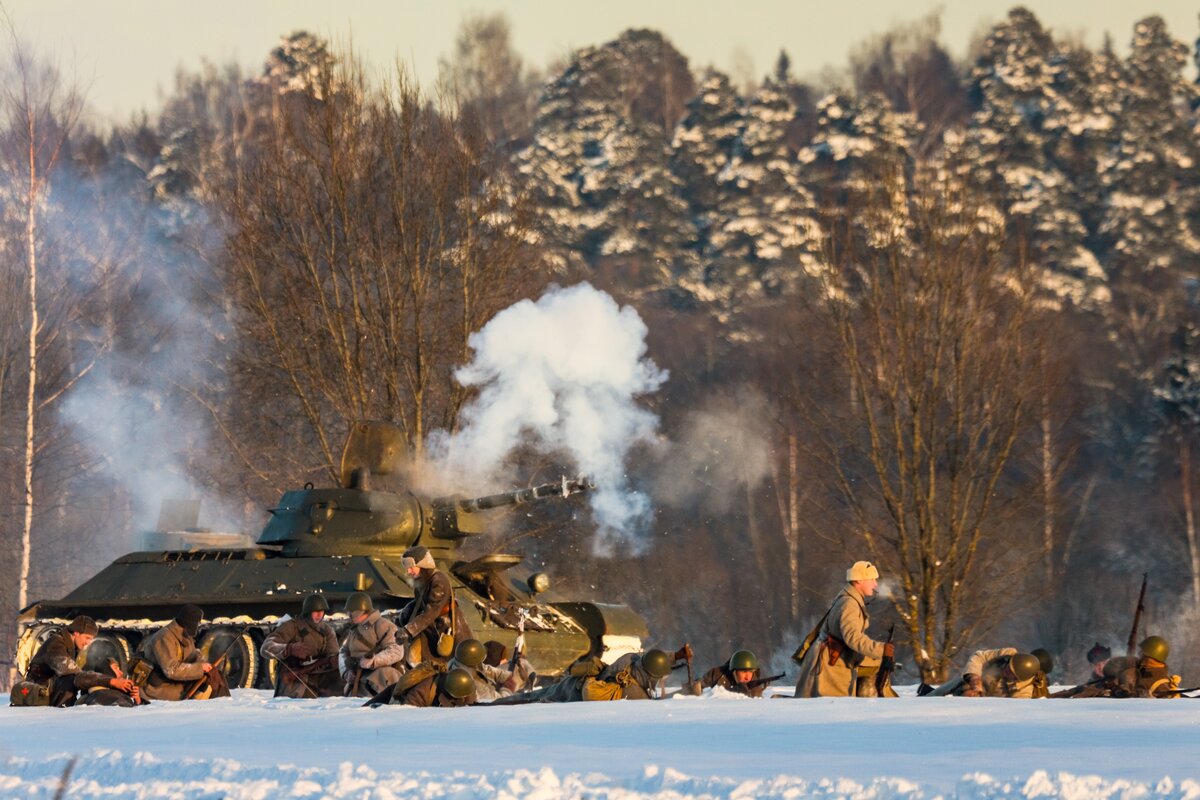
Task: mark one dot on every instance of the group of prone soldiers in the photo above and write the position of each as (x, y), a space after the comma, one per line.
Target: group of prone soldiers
(431, 659)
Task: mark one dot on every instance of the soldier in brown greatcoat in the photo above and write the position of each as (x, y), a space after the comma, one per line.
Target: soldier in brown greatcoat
(439, 688)
(57, 665)
(1145, 676)
(177, 663)
(432, 612)
(307, 651)
(372, 657)
(829, 667)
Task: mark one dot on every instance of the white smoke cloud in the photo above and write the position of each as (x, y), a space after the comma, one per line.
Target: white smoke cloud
(561, 374)
(722, 449)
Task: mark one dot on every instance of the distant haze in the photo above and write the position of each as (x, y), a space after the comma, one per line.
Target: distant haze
(127, 52)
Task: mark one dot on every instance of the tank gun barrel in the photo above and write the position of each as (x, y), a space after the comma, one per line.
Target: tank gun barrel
(564, 488)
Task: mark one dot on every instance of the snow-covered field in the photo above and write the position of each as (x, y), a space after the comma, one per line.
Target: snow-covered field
(716, 746)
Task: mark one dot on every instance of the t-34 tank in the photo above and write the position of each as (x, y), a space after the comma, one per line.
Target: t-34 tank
(338, 541)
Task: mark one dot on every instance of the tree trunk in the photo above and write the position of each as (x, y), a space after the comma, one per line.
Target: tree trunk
(1189, 514)
(31, 260)
(1047, 491)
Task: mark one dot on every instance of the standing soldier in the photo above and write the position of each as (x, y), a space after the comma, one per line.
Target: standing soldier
(736, 675)
(829, 667)
(432, 622)
(307, 651)
(56, 670)
(176, 662)
(371, 657)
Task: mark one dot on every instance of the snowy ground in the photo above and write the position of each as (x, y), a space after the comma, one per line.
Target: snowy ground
(718, 746)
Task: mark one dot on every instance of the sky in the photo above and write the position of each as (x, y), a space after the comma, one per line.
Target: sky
(126, 52)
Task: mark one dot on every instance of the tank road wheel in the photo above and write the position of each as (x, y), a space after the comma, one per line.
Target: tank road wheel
(240, 666)
(27, 645)
(270, 673)
(108, 647)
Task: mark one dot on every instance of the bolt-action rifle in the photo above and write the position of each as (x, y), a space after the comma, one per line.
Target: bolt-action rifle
(1131, 648)
(216, 665)
(757, 682)
(884, 676)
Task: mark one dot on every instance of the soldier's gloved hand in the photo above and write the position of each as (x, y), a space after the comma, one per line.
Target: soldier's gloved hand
(889, 650)
(974, 686)
(403, 637)
(352, 662)
(684, 652)
(298, 650)
(122, 685)
(366, 663)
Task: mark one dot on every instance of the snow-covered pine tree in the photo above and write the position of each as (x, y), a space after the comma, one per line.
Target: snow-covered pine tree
(1151, 176)
(1018, 83)
(765, 238)
(597, 164)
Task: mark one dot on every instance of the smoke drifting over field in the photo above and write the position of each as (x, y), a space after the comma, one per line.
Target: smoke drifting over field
(561, 374)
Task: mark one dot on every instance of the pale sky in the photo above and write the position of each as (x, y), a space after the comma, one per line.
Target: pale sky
(126, 51)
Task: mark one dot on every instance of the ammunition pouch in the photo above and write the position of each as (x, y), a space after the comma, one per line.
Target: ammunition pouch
(28, 693)
(835, 648)
(587, 668)
(139, 670)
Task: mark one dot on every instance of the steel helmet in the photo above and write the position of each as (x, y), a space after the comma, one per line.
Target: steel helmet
(1024, 665)
(458, 683)
(743, 659)
(657, 663)
(314, 602)
(359, 601)
(470, 652)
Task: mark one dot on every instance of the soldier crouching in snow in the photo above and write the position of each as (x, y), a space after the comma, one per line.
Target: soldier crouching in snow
(176, 663)
(633, 676)
(371, 658)
(839, 645)
(307, 651)
(740, 675)
(56, 678)
(429, 684)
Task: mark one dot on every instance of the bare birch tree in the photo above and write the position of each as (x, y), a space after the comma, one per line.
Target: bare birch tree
(39, 110)
(931, 322)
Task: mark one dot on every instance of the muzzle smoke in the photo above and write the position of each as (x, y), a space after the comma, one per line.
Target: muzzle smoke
(562, 375)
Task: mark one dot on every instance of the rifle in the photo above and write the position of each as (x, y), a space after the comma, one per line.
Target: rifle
(757, 682)
(358, 670)
(216, 665)
(685, 653)
(1131, 648)
(885, 668)
(296, 675)
(1074, 689)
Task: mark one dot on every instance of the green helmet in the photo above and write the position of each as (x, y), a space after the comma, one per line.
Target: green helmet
(470, 652)
(1155, 647)
(359, 601)
(657, 663)
(314, 602)
(458, 683)
(1045, 659)
(743, 659)
(1024, 665)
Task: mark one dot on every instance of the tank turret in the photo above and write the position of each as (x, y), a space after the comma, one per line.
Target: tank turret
(337, 541)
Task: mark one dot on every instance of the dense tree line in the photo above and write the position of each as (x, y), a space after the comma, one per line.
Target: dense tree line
(941, 315)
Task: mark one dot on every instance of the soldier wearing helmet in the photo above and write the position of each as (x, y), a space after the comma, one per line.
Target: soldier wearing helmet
(1004, 672)
(633, 676)
(835, 649)
(491, 682)
(430, 684)
(307, 651)
(735, 675)
(371, 658)
(1145, 676)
